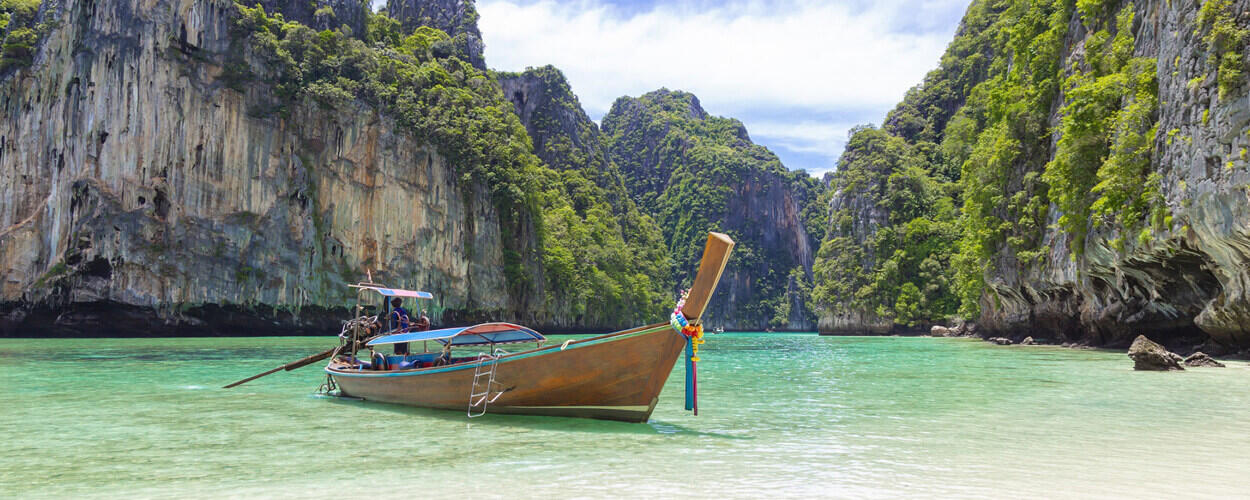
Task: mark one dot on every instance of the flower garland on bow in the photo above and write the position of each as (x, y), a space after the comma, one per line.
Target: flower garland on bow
(694, 337)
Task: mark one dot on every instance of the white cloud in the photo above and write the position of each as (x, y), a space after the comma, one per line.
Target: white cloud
(743, 59)
(808, 137)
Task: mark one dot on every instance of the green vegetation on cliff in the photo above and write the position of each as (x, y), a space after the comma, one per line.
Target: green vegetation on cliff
(597, 265)
(956, 187)
(18, 32)
(605, 258)
(697, 172)
(1100, 175)
(1226, 42)
(897, 266)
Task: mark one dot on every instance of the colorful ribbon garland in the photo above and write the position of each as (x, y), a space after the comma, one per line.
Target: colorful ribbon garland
(694, 337)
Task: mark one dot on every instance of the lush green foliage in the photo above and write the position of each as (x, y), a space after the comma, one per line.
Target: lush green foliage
(1226, 41)
(603, 263)
(606, 261)
(1005, 202)
(697, 173)
(442, 101)
(20, 34)
(594, 274)
(982, 120)
(19, 12)
(890, 241)
(1101, 165)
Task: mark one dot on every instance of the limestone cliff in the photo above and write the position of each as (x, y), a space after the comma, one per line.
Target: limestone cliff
(594, 221)
(321, 14)
(694, 171)
(458, 18)
(566, 139)
(141, 193)
(1097, 153)
(1186, 281)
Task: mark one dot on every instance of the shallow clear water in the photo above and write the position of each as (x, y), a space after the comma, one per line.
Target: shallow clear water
(780, 416)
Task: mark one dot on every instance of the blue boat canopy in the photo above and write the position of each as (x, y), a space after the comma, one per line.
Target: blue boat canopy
(395, 292)
(483, 334)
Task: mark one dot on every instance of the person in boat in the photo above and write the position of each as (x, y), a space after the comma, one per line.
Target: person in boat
(444, 357)
(422, 323)
(399, 318)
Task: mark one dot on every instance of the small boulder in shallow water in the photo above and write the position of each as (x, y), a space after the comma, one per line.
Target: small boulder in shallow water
(1028, 341)
(1000, 340)
(1201, 359)
(1148, 355)
(942, 331)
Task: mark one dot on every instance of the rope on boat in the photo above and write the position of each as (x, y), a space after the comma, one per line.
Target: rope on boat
(328, 387)
(354, 332)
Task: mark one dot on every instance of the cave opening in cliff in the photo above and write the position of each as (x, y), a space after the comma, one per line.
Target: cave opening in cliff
(1159, 296)
(98, 267)
(162, 204)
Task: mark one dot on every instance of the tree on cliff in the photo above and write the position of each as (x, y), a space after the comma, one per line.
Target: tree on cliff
(694, 172)
(1041, 126)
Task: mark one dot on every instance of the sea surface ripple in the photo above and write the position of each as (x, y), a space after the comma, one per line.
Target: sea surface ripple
(781, 416)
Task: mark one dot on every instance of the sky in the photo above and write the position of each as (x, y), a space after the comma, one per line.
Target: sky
(798, 74)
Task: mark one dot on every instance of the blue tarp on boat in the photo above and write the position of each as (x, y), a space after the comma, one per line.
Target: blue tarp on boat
(485, 333)
(396, 292)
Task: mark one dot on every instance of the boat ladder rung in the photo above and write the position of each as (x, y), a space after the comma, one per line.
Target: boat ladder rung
(485, 391)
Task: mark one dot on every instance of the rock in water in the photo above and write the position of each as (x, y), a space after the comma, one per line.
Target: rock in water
(942, 331)
(1000, 340)
(1028, 341)
(1148, 355)
(1201, 359)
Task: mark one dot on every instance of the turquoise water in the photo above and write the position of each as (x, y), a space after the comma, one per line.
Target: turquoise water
(780, 416)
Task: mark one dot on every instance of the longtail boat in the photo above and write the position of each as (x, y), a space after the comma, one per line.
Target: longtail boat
(617, 376)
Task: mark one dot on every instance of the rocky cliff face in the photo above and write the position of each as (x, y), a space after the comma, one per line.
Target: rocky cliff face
(320, 14)
(139, 192)
(458, 18)
(1187, 281)
(694, 172)
(564, 137)
(594, 221)
(1132, 216)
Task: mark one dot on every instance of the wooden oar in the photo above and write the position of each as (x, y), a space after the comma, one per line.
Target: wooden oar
(715, 257)
(288, 367)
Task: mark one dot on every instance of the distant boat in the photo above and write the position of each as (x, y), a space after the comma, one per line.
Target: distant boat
(617, 376)
(719, 329)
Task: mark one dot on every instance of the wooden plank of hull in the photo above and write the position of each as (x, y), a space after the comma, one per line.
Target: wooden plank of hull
(715, 256)
(617, 377)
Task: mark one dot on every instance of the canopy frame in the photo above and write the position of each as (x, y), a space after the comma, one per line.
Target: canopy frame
(395, 292)
(481, 334)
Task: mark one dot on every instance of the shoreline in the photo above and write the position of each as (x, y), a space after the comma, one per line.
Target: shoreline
(1213, 350)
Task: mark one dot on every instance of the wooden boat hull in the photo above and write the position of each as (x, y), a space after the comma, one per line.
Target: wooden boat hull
(616, 377)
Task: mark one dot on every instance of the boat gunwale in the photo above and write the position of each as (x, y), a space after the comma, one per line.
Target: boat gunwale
(641, 330)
